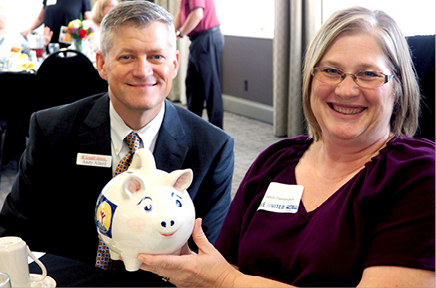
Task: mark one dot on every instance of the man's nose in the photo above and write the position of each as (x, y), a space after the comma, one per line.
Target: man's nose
(144, 68)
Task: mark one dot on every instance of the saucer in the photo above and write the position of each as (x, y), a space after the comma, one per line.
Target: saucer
(48, 282)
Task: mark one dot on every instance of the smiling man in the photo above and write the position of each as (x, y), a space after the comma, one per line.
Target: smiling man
(139, 67)
(139, 60)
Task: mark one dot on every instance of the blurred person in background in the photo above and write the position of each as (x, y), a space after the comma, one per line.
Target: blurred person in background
(13, 41)
(99, 10)
(197, 19)
(57, 13)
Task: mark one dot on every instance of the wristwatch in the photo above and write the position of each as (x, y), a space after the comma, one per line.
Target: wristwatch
(178, 34)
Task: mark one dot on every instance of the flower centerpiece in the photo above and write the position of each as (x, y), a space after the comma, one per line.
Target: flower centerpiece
(78, 31)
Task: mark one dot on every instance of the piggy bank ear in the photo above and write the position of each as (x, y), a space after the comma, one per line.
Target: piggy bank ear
(132, 184)
(143, 160)
(181, 179)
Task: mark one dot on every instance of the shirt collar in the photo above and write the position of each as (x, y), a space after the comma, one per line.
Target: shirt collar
(148, 134)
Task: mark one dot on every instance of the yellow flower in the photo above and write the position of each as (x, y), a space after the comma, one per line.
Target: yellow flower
(75, 23)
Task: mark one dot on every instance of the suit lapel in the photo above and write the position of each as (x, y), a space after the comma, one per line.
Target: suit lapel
(94, 136)
(169, 153)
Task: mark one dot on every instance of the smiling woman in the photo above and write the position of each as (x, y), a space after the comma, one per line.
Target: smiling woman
(344, 108)
(386, 58)
(368, 186)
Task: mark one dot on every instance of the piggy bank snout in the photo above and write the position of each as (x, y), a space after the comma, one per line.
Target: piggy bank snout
(168, 225)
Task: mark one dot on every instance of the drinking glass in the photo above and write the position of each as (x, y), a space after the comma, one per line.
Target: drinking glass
(36, 42)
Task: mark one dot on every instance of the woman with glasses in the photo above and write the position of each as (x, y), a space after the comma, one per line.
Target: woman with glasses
(352, 203)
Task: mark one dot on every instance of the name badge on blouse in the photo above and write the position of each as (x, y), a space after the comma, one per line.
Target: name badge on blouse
(282, 198)
(94, 160)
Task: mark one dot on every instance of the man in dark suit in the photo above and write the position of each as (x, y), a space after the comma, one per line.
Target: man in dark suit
(52, 202)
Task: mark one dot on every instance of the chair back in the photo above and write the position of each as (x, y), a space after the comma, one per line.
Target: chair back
(423, 55)
(66, 76)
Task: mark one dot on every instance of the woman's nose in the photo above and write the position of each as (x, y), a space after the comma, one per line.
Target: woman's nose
(347, 87)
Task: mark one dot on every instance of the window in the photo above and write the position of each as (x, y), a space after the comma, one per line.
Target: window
(249, 18)
(415, 17)
(255, 18)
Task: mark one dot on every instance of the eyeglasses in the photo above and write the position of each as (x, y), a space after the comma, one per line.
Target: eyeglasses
(365, 78)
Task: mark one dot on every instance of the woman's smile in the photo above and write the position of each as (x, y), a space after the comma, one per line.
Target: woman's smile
(347, 110)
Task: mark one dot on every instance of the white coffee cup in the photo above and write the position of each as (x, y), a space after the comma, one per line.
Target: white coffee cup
(5, 280)
(13, 260)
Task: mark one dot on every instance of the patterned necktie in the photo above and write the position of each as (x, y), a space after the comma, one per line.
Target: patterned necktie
(133, 141)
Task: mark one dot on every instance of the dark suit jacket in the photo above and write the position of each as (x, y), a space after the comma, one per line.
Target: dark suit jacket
(52, 202)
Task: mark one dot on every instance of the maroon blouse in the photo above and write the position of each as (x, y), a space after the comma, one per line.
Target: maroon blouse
(384, 215)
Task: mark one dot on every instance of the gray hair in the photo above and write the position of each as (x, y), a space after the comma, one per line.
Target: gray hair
(384, 29)
(137, 14)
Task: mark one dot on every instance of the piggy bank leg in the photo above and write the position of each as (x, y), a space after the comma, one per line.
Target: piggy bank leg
(130, 262)
(114, 255)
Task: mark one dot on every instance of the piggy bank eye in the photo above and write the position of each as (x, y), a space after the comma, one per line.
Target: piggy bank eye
(178, 203)
(148, 205)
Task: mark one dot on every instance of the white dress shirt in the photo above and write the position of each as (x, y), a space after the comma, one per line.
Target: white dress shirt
(119, 131)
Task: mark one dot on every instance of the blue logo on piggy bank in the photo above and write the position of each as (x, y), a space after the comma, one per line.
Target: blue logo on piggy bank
(103, 216)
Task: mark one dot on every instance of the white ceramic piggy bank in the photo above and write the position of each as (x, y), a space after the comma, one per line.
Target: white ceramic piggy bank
(145, 210)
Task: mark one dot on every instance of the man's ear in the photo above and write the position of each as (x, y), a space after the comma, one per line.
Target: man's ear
(101, 65)
(176, 64)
